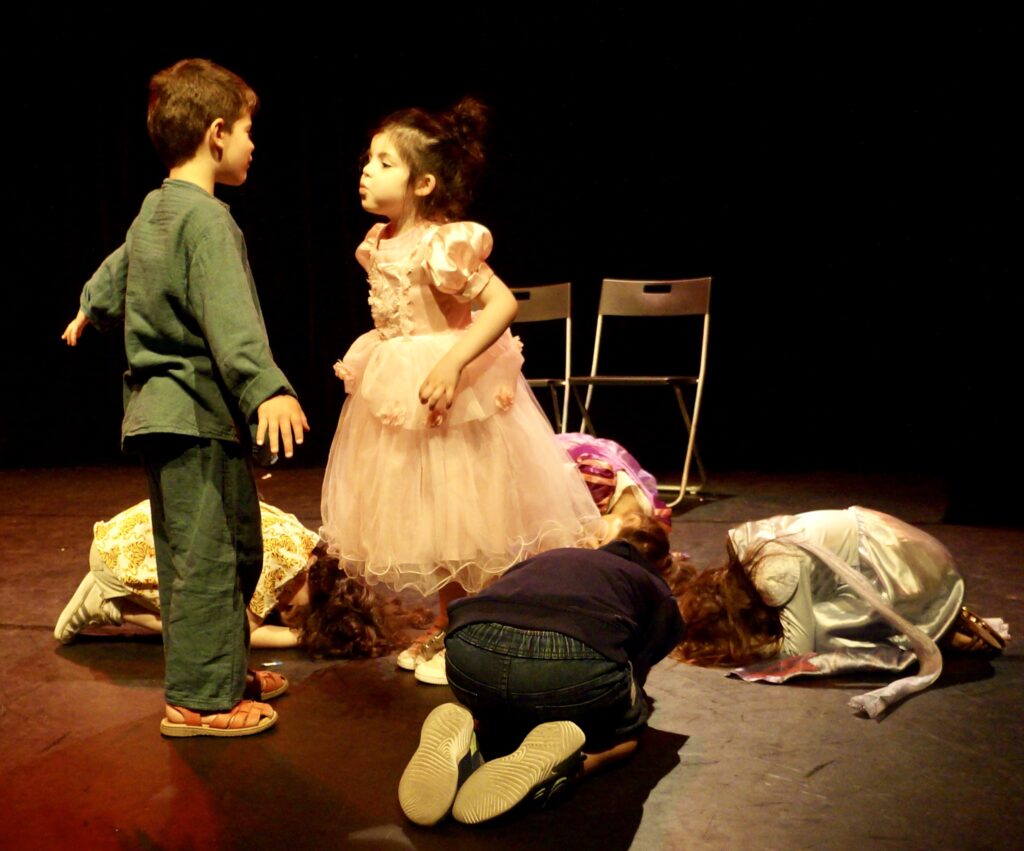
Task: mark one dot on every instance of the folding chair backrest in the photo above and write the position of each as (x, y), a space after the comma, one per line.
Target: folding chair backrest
(541, 304)
(627, 298)
(679, 297)
(655, 298)
(538, 304)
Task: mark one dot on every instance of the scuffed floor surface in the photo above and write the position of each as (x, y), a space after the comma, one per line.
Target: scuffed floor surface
(724, 764)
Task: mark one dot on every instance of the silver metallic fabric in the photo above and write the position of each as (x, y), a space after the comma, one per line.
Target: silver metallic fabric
(859, 590)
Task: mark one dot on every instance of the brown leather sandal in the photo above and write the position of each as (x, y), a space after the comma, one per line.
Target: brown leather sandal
(247, 718)
(264, 685)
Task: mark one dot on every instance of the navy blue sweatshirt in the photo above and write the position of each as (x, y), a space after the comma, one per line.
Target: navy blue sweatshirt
(611, 599)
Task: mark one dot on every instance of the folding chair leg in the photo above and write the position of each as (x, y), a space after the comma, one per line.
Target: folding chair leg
(586, 425)
(691, 455)
(555, 407)
(691, 449)
(689, 429)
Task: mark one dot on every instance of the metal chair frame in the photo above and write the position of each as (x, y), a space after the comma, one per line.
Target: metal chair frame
(681, 297)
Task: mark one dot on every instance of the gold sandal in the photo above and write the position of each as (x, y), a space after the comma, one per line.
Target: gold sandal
(970, 634)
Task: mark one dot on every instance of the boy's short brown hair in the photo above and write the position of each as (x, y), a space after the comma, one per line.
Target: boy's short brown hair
(185, 99)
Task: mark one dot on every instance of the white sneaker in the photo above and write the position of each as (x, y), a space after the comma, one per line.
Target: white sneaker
(86, 608)
(420, 651)
(432, 671)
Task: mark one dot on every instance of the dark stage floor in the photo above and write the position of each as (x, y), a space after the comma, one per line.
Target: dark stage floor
(725, 764)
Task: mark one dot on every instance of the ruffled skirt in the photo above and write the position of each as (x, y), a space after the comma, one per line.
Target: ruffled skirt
(418, 499)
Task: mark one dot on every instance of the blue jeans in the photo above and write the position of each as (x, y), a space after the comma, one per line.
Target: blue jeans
(514, 679)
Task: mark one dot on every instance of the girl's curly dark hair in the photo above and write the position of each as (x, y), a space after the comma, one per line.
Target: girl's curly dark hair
(346, 618)
(448, 145)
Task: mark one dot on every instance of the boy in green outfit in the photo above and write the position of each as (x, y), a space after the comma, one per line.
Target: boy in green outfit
(200, 375)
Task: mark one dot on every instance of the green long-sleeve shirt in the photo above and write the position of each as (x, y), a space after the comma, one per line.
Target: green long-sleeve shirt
(199, 362)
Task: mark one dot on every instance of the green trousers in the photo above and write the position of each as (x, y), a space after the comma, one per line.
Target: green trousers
(209, 554)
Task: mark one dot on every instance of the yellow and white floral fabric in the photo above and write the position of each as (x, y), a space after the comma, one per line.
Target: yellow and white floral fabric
(123, 545)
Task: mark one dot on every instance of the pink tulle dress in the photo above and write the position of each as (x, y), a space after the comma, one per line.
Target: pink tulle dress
(416, 498)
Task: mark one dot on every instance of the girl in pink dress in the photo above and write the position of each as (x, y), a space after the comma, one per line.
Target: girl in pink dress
(444, 471)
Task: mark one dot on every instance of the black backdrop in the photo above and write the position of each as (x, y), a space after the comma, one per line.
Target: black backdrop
(847, 178)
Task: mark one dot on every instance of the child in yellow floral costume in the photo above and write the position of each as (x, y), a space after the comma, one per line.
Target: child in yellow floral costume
(302, 598)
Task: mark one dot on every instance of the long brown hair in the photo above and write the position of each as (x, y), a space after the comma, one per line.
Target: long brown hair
(347, 618)
(727, 622)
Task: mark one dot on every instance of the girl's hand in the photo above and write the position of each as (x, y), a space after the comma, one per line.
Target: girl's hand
(440, 384)
(499, 309)
(75, 328)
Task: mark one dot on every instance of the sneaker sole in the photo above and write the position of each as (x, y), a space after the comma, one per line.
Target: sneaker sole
(431, 675)
(429, 680)
(431, 778)
(542, 765)
(406, 662)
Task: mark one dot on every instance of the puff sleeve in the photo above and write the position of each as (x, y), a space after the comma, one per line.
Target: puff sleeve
(365, 248)
(455, 256)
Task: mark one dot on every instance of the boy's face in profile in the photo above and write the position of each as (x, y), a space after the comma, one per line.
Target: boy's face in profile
(236, 152)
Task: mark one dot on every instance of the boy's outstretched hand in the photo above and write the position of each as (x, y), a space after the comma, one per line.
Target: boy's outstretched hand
(281, 414)
(75, 328)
